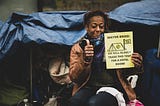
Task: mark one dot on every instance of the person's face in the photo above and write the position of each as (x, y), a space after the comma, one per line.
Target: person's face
(95, 27)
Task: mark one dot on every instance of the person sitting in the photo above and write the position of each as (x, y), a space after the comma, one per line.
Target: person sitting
(93, 83)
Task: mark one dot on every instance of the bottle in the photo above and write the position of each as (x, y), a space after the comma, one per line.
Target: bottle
(26, 102)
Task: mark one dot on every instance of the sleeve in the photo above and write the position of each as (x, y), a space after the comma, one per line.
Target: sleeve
(79, 69)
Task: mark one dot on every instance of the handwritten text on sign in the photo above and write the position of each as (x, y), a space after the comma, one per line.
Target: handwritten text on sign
(118, 49)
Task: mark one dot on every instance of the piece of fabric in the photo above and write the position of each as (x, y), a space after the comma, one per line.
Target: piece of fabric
(52, 102)
(58, 28)
(118, 95)
(11, 94)
(133, 80)
(145, 12)
(59, 71)
(135, 103)
(151, 78)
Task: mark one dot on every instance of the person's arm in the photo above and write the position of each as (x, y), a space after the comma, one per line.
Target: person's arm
(79, 68)
(137, 60)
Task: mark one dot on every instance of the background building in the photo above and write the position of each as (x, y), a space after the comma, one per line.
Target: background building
(7, 7)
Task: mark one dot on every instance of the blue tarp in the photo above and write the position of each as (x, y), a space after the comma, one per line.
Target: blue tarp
(42, 27)
(142, 12)
(151, 78)
(66, 27)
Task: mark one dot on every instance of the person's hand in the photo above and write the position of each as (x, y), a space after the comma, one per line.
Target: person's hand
(88, 52)
(137, 59)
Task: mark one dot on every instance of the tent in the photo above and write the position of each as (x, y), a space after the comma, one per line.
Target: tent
(20, 37)
(52, 27)
(142, 12)
(143, 18)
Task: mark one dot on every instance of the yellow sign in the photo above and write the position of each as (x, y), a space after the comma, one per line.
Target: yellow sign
(118, 49)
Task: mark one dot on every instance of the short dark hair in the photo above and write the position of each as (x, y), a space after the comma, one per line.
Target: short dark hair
(90, 14)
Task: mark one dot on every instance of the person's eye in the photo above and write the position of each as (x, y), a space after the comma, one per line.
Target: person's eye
(93, 26)
(101, 26)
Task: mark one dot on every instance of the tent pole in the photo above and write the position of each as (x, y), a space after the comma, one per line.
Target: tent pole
(158, 52)
(31, 76)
